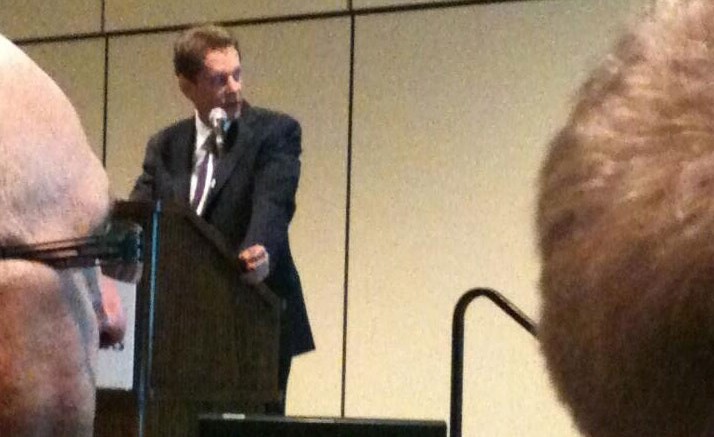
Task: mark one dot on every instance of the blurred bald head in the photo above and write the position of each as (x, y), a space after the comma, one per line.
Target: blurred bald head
(52, 187)
(626, 228)
(38, 127)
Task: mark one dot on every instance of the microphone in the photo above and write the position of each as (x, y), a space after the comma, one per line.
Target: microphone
(219, 123)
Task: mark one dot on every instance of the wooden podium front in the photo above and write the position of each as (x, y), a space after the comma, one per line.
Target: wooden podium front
(204, 341)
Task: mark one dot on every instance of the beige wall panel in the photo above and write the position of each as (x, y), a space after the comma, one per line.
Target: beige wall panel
(78, 68)
(130, 14)
(143, 96)
(361, 4)
(303, 69)
(39, 18)
(453, 111)
(299, 68)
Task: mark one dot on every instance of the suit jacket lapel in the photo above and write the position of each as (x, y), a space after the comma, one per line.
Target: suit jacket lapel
(243, 139)
(181, 166)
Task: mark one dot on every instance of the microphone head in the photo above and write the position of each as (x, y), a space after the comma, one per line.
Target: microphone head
(218, 118)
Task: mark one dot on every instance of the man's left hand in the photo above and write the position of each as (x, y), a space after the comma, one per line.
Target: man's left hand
(255, 263)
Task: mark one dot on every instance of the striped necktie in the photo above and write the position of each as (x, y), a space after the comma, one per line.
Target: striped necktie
(209, 147)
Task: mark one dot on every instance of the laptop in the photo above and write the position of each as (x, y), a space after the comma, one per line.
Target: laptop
(242, 425)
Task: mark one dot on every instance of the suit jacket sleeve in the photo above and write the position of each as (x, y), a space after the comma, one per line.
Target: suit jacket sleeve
(277, 172)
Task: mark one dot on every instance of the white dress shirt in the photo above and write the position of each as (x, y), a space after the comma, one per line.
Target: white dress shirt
(199, 154)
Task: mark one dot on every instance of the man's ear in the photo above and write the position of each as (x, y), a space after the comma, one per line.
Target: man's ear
(186, 86)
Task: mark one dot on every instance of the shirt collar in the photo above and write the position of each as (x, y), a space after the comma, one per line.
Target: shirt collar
(202, 132)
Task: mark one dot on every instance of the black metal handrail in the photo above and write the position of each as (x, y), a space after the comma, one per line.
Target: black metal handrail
(457, 346)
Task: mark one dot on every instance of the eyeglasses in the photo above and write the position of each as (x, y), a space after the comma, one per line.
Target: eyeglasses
(121, 244)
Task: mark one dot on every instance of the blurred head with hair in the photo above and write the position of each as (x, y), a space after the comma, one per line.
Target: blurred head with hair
(626, 234)
(192, 46)
(52, 187)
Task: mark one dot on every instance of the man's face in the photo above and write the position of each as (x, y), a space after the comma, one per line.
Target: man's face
(218, 84)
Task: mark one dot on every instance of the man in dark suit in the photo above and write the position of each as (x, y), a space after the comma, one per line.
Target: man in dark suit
(244, 184)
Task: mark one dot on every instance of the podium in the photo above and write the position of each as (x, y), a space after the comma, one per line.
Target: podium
(203, 341)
